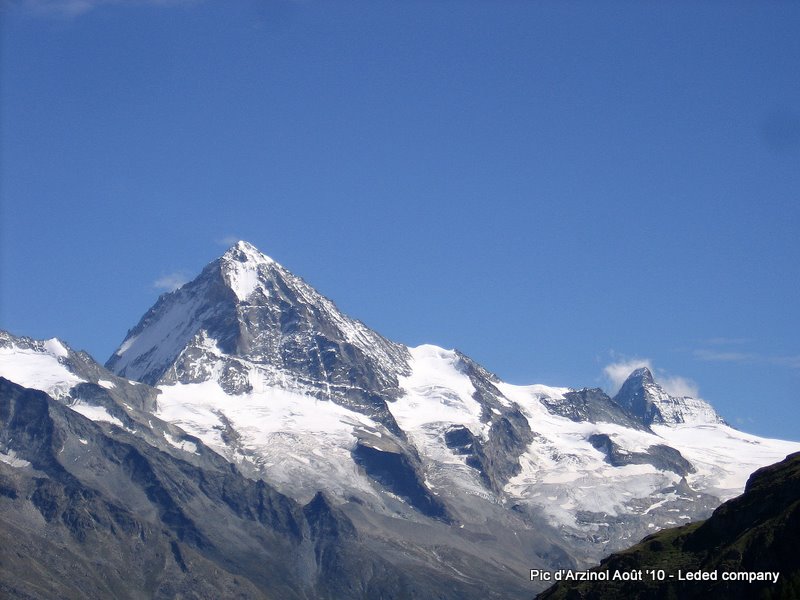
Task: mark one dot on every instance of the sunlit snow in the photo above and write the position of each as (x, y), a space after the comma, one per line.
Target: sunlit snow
(55, 348)
(184, 445)
(95, 413)
(291, 436)
(37, 369)
(561, 455)
(11, 459)
(724, 456)
(436, 393)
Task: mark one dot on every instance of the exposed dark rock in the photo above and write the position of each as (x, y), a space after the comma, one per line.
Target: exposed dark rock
(591, 405)
(633, 397)
(660, 456)
(497, 458)
(394, 471)
(95, 395)
(460, 440)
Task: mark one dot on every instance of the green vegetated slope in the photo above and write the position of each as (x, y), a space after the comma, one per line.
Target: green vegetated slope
(757, 532)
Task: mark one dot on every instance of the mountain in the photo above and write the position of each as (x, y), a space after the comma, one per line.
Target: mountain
(246, 321)
(755, 533)
(644, 398)
(427, 458)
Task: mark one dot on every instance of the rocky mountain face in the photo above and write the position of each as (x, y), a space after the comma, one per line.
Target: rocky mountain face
(437, 478)
(754, 535)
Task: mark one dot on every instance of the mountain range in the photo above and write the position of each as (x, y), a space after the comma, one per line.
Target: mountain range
(247, 439)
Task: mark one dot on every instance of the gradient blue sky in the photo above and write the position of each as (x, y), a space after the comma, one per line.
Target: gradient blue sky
(551, 188)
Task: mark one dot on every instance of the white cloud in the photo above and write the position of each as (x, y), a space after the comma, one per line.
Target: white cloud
(790, 361)
(717, 356)
(73, 8)
(618, 372)
(228, 240)
(793, 362)
(170, 282)
(726, 341)
(679, 386)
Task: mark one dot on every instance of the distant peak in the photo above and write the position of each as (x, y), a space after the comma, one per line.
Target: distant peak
(246, 252)
(642, 373)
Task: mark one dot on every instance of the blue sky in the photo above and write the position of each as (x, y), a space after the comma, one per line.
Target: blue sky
(561, 190)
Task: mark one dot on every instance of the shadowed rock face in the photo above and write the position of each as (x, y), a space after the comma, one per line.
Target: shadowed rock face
(592, 405)
(634, 397)
(660, 456)
(496, 458)
(394, 470)
(756, 532)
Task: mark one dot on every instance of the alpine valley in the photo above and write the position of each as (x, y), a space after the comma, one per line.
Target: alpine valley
(249, 440)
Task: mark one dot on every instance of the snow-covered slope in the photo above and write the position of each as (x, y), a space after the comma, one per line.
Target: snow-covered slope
(298, 442)
(77, 381)
(44, 365)
(36, 364)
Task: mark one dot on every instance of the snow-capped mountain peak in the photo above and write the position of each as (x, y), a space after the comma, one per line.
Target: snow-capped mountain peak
(642, 396)
(246, 252)
(244, 268)
(247, 323)
(643, 374)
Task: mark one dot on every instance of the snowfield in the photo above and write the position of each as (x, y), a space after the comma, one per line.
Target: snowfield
(38, 369)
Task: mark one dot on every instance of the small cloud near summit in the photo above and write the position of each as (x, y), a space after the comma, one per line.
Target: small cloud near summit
(228, 240)
(74, 8)
(618, 372)
(170, 282)
(675, 385)
(679, 386)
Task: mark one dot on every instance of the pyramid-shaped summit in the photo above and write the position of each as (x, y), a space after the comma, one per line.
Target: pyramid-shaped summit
(643, 374)
(643, 397)
(247, 321)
